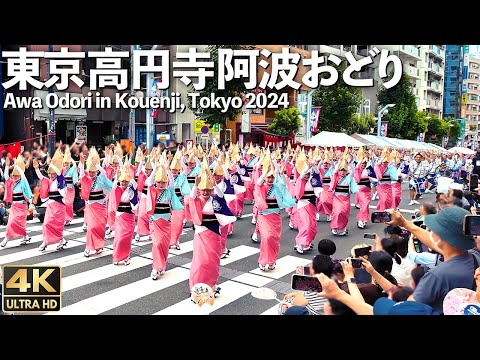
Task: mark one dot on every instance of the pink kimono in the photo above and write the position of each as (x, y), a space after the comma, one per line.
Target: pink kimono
(270, 228)
(54, 220)
(124, 227)
(306, 213)
(17, 220)
(160, 230)
(95, 217)
(396, 194)
(325, 202)
(385, 198)
(341, 204)
(363, 196)
(143, 227)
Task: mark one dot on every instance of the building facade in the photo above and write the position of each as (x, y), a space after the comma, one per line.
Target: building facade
(472, 99)
(453, 81)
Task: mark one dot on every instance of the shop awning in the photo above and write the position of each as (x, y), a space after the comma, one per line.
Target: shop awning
(60, 114)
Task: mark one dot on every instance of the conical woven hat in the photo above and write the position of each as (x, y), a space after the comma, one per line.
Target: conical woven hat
(361, 155)
(19, 161)
(125, 174)
(251, 150)
(175, 164)
(93, 159)
(301, 163)
(57, 160)
(119, 152)
(67, 157)
(205, 179)
(161, 174)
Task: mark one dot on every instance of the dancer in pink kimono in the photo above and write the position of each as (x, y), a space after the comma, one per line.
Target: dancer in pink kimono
(364, 175)
(111, 164)
(95, 187)
(53, 191)
(126, 196)
(209, 212)
(248, 161)
(307, 189)
(325, 202)
(271, 195)
(343, 184)
(222, 182)
(18, 193)
(291, 175)
(161, 201)
(70, 172)
(182, 188)
(397, 186)
(386, 174)
(145, 177)
(193, 170)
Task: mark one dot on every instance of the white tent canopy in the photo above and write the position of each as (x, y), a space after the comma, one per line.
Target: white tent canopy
(462, 150)
(327, 139)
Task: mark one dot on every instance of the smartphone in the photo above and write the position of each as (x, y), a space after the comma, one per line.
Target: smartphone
(364, 251)
(306, 283)
(471, 225)
(302, 270)
(473, 182)
(380, 217)
(418, 245)
(356, 263)
(418, 223)
(369, 236)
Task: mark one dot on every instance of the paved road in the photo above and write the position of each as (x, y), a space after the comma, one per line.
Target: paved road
(95, 286)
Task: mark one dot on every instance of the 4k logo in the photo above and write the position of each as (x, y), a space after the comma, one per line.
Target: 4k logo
(31, 288)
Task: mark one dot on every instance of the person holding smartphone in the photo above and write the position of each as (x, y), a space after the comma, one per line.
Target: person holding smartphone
(297, 302)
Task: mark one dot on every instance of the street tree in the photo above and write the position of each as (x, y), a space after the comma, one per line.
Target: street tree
(403, 119)
(286, 122)
(234, 87)
(437, 129)
(361, 124)
(338, 103)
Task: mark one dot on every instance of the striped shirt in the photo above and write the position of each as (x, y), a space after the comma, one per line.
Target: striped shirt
(315, 303)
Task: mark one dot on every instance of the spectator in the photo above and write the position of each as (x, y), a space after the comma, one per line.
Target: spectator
(309, 300)
(444, 183)
(402, 266)
(447, 237)
(3, 205)
(29, 170)
(456, 194)
(392, 230)
(327, 247)
(416, 275)
(401, 294)
(335, 307)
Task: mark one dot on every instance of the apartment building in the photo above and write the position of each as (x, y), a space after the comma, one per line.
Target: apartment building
(433, 70)
(453, 81)
(472, 98)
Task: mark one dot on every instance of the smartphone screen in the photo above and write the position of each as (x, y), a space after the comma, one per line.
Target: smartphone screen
(471, 225)
(356, 263)
(365, 251)
(306, 283)
(369, 236)
(380, 217)
(418, 245)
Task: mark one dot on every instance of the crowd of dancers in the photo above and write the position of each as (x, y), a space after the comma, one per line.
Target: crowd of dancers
(156, 193)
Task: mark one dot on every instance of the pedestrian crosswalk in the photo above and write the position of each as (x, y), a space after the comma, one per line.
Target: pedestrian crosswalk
(94, 285)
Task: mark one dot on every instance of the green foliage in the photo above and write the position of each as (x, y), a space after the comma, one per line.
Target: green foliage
(286, 122)
(454, 128)
(338, 102)
(437, 128)
(109, 139)
(235, 87)
(403, 120)
(361, 124)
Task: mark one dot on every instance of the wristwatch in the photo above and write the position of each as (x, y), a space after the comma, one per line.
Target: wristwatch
(352, 281)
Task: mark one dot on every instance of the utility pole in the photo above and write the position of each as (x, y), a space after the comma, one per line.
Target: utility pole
(51, 117)
(148, 112)
(131, 117)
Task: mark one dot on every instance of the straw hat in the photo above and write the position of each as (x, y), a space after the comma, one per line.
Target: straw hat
(175, 164)
(93, 159)
(219, 169)
(267, 166)
(213, 151)
(251, 150)
(206, 181)
(67, 157)
(125, 174)
(228, 162)
(384, 155)
(57, 161)
(344, 162)
(301, 163)
(200, 154)
(118, 152)
(392, 156)
(148, 165)
(139, 156)
(21, 165)
(361, 155)
(161, 174)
